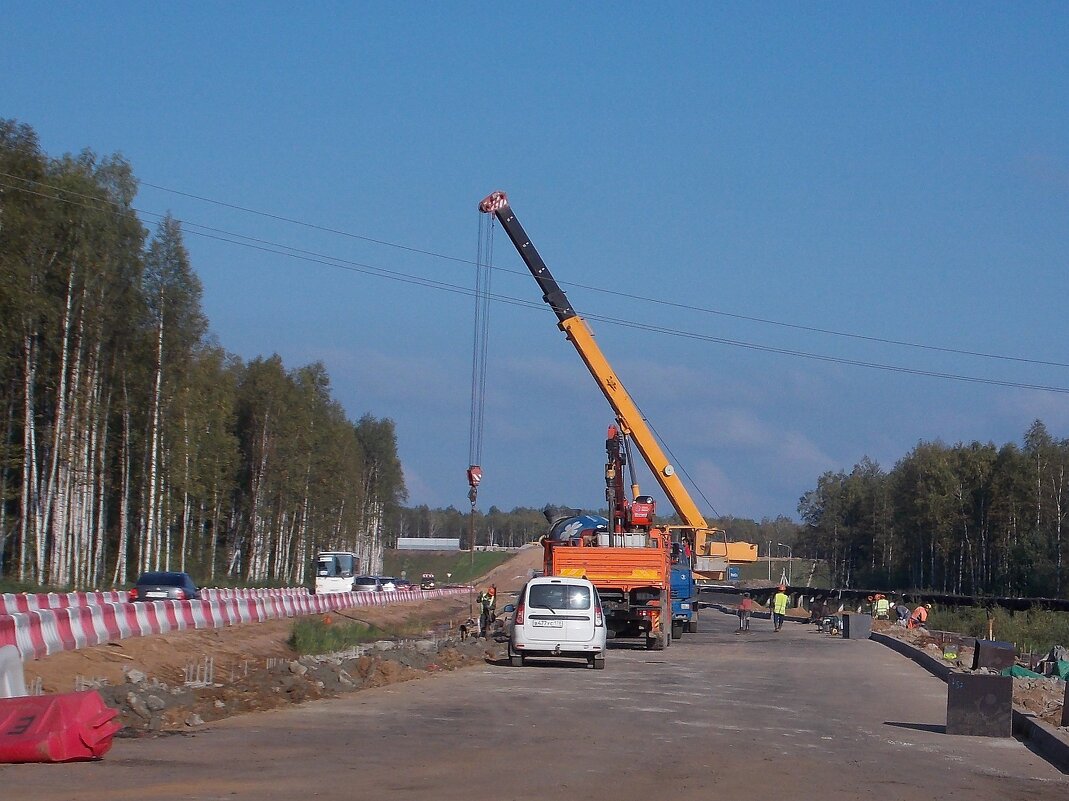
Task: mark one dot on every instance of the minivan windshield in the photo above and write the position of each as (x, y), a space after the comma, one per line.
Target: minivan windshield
(559, 596)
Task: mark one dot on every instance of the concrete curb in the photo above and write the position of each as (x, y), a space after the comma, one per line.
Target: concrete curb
(1043, 738)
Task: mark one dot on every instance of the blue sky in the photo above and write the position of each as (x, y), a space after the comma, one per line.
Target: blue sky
(899, 171)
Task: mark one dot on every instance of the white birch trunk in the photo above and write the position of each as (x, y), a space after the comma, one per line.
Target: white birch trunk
(151, 514)
(59, 424)
(28, 496)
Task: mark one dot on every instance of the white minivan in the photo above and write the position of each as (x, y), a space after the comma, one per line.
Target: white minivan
(558, 616)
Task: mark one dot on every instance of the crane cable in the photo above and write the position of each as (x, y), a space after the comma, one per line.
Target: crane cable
(483, 275)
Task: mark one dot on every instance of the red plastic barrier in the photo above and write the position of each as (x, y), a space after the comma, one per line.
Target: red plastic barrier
(70, 727)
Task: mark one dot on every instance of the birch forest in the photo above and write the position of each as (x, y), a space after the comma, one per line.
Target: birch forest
(131, 439)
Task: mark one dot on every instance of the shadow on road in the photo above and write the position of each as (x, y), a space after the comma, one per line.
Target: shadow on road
(935, 728)
(541, 662)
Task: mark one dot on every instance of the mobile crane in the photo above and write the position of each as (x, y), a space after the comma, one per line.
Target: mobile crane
(712, 552)
(637, 515)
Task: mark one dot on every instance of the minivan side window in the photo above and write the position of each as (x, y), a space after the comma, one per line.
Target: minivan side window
(559, 596)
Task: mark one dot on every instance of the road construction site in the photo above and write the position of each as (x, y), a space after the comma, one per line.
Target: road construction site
(790, 714)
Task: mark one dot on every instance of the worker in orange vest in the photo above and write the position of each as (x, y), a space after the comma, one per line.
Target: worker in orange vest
(920, 616)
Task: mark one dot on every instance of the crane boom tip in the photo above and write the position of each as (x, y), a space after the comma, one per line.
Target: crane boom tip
(495, 201)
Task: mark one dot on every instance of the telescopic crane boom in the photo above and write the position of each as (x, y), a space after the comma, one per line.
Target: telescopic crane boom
(708, 542)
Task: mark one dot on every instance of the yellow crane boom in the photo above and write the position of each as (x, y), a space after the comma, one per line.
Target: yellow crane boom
(709, 543)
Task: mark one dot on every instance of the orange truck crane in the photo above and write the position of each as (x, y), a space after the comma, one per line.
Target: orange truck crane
(712, 552)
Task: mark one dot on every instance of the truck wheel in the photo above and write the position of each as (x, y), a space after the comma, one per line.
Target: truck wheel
(692, 625)
(677, 629)
(599, 663)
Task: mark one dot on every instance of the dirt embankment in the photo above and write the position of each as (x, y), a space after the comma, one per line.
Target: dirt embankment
(183, 679)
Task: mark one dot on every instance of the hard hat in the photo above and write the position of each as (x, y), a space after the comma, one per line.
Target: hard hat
(927, 606)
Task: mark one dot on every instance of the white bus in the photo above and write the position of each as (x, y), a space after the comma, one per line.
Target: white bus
(335, 570)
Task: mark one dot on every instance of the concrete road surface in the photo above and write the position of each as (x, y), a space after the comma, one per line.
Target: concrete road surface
(793, 716)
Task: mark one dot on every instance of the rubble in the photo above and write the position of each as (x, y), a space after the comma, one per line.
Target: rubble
(148, 705)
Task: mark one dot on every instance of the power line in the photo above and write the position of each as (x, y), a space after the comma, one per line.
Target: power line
(622, 294)
(602, 290)
(396, 275)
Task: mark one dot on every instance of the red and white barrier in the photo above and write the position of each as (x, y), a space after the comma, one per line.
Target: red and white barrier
(40, 632)
(12, 602)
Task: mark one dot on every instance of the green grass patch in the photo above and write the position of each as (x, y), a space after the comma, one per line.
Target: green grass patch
(464, 566)
(1033, 631)
(316, 637)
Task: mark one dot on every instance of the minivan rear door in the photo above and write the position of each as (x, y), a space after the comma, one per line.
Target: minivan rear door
(559, 612)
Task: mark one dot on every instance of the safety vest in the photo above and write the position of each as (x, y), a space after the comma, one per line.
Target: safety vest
(780, 603)
(883, 606)
(920, 614)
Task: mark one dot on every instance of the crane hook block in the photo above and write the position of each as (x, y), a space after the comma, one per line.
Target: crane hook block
(475, 475)
(495, 201)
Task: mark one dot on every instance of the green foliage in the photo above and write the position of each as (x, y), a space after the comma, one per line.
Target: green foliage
(148, 444)
(969, 519)
(345, 629)
(313, 636)
(1034, 630)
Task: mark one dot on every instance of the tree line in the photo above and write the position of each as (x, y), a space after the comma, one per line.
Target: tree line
(131, 440)
(521, 525)
(972, 519)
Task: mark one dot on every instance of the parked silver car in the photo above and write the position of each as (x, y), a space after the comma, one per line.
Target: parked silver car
(367, 584)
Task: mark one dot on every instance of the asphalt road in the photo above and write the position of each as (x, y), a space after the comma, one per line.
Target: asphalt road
(794, 715)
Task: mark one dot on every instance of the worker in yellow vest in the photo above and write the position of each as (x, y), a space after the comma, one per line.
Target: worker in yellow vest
(779, 607)
(883, 607)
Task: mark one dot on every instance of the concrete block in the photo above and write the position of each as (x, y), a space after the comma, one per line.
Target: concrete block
(979, 705)
(857, 627)
(994, 654)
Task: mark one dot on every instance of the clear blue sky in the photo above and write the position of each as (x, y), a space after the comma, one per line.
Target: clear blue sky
(899, 171)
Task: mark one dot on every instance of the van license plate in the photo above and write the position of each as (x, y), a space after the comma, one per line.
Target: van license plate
(155, 594)
(552, 624)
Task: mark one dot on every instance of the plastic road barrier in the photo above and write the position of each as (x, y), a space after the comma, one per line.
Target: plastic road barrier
(70, 727)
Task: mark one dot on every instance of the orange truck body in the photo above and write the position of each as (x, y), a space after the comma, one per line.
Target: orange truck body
(634, 583)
